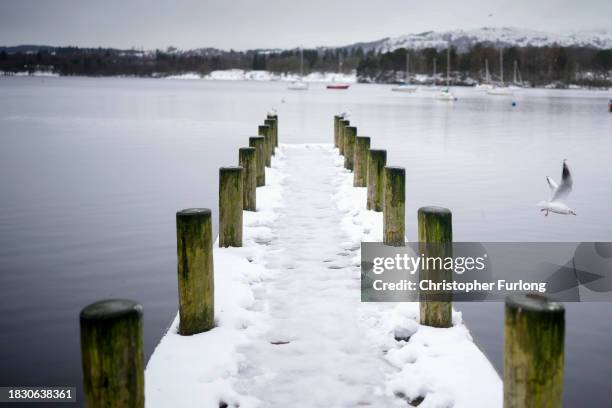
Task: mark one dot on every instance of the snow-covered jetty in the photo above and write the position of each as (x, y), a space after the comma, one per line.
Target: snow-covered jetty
(290, 328)
(270, 314)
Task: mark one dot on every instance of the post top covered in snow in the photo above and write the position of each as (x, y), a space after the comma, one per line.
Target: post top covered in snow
(111, 309)
(533, 302)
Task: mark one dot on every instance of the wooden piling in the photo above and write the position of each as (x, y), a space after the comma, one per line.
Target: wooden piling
(230, 206)
(360, 165)
(341, 131)
(272, 124)
(259, 143)
(435, 241)
(194, 242)
(112, 354)
(377, 160)
(350, 132)
(337, 119)
(533, 352)
(275, 130)
(247, 158)
(264, 130)
(394, 207)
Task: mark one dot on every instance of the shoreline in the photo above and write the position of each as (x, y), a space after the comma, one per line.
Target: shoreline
(235, 75)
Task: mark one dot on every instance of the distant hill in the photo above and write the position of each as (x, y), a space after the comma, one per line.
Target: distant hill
(579, 58)
(463, 40)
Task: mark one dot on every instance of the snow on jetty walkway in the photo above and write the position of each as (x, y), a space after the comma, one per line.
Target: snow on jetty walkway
(291, 330)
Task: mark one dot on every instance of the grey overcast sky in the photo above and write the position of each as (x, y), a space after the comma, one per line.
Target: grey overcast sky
(242, 24)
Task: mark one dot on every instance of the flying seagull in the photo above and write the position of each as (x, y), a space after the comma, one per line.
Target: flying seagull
(558, 194)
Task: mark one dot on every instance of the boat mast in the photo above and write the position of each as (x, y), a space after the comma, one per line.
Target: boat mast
(407, 80)
(448, 66)
(434, 71)
(487, 77)
(514, 79)
(301, 62)
(501, 65)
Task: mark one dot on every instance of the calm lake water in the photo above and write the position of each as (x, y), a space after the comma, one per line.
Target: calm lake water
(92, 172)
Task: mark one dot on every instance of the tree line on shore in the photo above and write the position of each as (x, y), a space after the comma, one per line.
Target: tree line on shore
(537, 65)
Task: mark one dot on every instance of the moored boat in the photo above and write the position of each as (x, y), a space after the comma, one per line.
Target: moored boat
(406, 87)
(298, 85)
(501, 89)
(446, 94)
(486, 86)
(338, 86)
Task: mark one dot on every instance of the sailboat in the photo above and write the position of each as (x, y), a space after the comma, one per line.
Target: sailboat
(406, 87)
(299, 85)
(517, 80)
(500, 90)
(446, 94)
(338, 85)
(433, 87)
(487, 84)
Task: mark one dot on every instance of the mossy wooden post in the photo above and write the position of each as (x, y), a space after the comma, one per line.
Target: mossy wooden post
(247, 158)
(230, 206)
(275, 131)
(259, 143)
(377, 160)
(112, 354)
(337, 119)
(350, 132)
(436, 240)
(394, 206)
(264, 130)
(271, 123)
(194, 244)
(360, 166)
(533, 352)
(341, 132)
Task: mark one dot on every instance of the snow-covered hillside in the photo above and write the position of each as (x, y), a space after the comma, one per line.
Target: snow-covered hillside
(500, 36)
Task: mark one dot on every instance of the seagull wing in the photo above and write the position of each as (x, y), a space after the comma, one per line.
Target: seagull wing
(551, 183)
(565, 187)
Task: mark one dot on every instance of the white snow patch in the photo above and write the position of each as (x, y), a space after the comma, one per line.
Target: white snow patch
(33, 74)
(242, 75)
(187, 75)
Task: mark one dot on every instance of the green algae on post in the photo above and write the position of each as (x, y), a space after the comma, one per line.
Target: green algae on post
(360, 165)
(247, 158)
(435, 240)
(112, 354)
(533, 352)
(264, 130)
(194, 242)
(230, 206)
(258, 142)
(377, 160)
(394, 206)
(350, 133)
